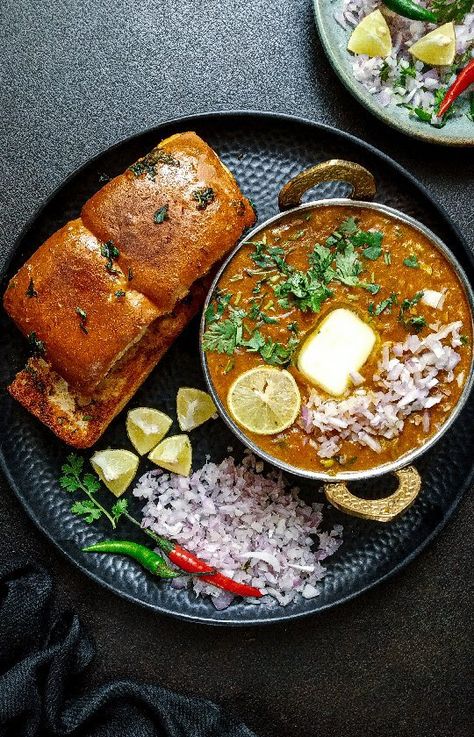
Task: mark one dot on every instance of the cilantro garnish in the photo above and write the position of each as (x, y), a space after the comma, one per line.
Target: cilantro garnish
(119, 293)
(31, 291)
(411, 262)
(415, 322)
(450, 10)
(256, 313)
(464, 339)
(147, 165)
(111, 253)
(385, 304)
(214, 312)
(161, 215)
(223, 336)
(89, 508)
(203, 196)
(348, 266)
(82, 319)
(278, 353)
(37, 346)
(370, 287)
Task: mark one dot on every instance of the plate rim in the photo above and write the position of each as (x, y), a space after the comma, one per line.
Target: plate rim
(364, 98)
(202, 118)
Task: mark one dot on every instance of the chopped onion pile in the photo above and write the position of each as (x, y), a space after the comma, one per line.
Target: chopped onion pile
(249, 525)
(408, 376)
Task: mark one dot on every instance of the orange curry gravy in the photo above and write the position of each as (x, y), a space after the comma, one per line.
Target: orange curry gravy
(297, 235)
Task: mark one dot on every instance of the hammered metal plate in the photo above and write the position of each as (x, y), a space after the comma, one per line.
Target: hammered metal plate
(264, 151)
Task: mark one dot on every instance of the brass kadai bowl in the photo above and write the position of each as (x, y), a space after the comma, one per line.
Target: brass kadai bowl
(335, 484)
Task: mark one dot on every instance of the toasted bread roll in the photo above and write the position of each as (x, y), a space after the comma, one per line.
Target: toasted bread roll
(78, 419)
(105, 296)
(79, 304)
(204, 216)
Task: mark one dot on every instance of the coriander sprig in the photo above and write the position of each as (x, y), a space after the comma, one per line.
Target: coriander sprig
(90, 509)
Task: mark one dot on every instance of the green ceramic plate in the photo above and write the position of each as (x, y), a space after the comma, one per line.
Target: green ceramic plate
(457, 132)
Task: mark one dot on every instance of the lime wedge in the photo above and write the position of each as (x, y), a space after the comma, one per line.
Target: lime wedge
(115, 468)
(371, 36)
(146, 427)
(194, 407)
(264, 400)
(174, 454)
(438, 47)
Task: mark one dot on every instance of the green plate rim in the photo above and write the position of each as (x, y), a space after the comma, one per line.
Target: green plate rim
(406, 125)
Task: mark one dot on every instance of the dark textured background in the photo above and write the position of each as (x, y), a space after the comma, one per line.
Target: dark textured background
(77, 77)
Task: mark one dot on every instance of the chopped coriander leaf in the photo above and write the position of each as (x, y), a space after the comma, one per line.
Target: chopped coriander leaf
(161, 215)
(293, 327)
(147, 165)
(111, 253)
(464, 339)
(320, 260)
(306, 290)
(372, 252)
(203, 196)
(405, 71)
(103, 178)
(370, 238)
(384, 305)
(223, 336)
(255, 342)
(229, 365)
(83, 319)
(384, 72)
(87, 418)
(213, 313)
(299, 234)
(37, 346)
(412, 262)
(31, 291)
(370, 287)
(276, 353)
(349, 226)
(453, 10)
(269, 257)
(417, 322)
(348, 267)
(120, 293)
(255, 313)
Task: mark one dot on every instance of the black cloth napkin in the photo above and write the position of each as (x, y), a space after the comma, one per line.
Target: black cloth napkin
(42, 655)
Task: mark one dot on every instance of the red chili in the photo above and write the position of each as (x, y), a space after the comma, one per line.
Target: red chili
(461, 83)
(192, 564)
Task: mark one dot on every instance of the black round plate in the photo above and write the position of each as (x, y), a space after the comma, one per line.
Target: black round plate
(264, 151)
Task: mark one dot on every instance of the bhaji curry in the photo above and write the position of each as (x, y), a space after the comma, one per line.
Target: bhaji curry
(365, 313)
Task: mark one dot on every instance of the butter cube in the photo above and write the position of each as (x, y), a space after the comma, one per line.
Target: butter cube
(340, 345)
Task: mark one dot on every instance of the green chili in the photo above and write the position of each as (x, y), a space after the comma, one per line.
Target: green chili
(150, 560)
(411, 9)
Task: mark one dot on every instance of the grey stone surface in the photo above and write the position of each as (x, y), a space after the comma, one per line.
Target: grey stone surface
(77, 77)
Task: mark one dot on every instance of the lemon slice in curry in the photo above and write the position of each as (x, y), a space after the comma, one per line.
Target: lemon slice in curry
(146, 427)
(174, 454)
(371, 36)
(194, 407)
(264, 400)
(437, 48)
(115, 468)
